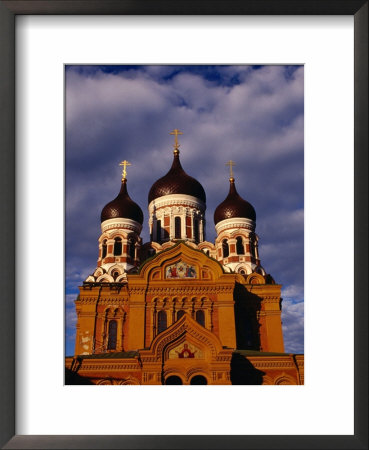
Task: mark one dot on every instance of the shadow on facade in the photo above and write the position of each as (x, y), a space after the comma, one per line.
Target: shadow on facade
(243, 372)
(74, 378)
(246, 308)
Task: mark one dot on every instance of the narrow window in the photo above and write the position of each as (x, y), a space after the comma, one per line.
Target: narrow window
(177, 228)
(104, 249)
(162, 321)
(158, 230)
(115, 275)
(225, 248)
(196, 230)
(131, 249)
(112, 342)
(252, 248)
(200, 317)
(239, 246)
(117, 246)
(180, 313)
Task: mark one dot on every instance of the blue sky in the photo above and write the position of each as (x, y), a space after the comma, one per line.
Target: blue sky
(253, 115)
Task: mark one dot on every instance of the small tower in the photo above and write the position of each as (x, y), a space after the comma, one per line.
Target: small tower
(177, 204)
(120, 241)
(236, 243)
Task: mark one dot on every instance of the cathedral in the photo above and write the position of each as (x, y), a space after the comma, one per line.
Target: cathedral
(180, 309)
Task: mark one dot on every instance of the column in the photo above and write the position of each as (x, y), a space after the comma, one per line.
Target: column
(201, 229)
(183, 224)
(171, 225)
(192, 225)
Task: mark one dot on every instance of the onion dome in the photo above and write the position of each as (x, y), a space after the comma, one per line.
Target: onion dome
(176, 181)
(122, 207)
(234, 206)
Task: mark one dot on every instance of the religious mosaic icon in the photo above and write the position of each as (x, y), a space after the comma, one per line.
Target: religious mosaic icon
(186, 350)
(180, 270)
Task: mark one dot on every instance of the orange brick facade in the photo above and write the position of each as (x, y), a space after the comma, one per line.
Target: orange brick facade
(220, 328)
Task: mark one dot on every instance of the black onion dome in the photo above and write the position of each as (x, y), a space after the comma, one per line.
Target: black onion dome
(234, 206)
(176, 181)
(122, 206)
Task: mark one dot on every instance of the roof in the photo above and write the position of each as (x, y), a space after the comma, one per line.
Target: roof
(176, 181)
(111, 355)
(123, 207)
(257, 353)
(234, 206)
(179, 242)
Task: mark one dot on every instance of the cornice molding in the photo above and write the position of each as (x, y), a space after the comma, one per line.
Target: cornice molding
(176, 199)
(121, 223)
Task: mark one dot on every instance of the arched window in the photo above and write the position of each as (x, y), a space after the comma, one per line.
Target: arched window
(180, 313)
(117, 246)
(196, 230)
(115, 274)
(177, 228)
(131, 248)
(198, 379)
(239, 246)
(104, 249)
(158, 230)
(200, 317)
(112, 341)
(225, 248)
(162, 321)
(173, 379)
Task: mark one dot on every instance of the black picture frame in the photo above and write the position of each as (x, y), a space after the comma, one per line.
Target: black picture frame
(8, 12)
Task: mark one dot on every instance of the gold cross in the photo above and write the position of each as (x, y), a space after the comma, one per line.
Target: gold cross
(124, 164)
(230, 163)
(176, 133)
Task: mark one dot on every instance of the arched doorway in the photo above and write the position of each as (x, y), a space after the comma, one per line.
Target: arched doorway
(198, 379)
(173, 379)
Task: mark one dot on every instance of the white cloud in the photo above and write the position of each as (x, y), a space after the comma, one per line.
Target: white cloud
(293, 293)
(293, 326)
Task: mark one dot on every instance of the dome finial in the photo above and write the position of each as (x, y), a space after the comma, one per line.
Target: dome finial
(231, 163)
(176, 144)
(124, 173)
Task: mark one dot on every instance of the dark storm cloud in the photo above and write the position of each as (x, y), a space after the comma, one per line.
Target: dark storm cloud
(250, 114)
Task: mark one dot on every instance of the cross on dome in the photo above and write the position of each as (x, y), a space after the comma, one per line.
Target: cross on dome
(176, 133)
(124, 173)
(230, 163)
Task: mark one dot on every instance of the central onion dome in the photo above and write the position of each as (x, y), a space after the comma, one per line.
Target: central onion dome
(234, 206)
(176, 181)
(122, 207)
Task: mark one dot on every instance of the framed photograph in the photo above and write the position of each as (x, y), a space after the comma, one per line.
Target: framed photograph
(121, 125)
(162, 236)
